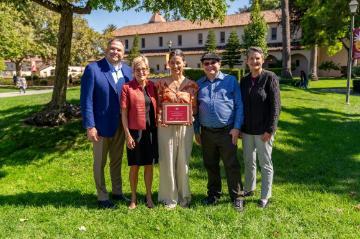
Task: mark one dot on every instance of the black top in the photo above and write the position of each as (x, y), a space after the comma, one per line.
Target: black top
(261, 99)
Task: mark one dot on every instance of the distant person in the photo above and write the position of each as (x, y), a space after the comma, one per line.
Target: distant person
(138, 113)
(101, 86)
(217, 129)
(15, 79)
(303, 80)
(70, 80)
(22, 84)
(261, 97)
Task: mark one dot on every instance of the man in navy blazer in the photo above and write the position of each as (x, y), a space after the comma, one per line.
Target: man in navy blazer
(101, 86)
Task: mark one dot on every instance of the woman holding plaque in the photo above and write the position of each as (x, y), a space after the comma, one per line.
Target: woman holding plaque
(138, 114)
(176, 105)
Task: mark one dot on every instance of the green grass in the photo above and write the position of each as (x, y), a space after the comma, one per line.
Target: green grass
(47, 189)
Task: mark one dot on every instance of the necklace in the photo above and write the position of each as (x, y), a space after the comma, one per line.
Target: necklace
(177, 83)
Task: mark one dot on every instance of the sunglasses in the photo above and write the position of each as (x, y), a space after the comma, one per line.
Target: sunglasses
(207, 63)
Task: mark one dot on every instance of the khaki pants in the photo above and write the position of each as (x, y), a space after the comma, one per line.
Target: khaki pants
(175, 145)
(115, 147)
(252, 146)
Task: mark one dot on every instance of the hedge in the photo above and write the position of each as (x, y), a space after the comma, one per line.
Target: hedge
(277, 71)
(197, 73)
(356, 86)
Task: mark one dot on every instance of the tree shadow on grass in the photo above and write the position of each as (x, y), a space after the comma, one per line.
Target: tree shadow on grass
(55, 198)
(21, 144)
(322, 152)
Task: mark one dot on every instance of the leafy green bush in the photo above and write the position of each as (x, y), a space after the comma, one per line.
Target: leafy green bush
(329, 65)
(355, 71)
(287, 81)
(356, 85)
(6, 81)
(277, 71)
(197, 73)
(43, 82)
(33, 77)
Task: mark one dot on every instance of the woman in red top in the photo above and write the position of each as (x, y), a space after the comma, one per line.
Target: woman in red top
(138, 115)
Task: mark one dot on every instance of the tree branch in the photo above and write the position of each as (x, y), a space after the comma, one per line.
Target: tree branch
(83, 10)
(344, 44)
(49, 5)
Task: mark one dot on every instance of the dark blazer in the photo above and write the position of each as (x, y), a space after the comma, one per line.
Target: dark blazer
(261, 100)
(99, 99)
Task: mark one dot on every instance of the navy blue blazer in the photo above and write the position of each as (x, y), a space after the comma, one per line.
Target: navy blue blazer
(99, 100)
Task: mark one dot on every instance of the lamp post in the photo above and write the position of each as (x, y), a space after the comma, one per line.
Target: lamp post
(169, 45)
(353, 5)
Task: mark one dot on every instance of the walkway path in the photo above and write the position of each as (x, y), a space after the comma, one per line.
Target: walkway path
(28, 92)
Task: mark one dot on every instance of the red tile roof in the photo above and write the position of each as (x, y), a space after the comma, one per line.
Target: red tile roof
(241, 19)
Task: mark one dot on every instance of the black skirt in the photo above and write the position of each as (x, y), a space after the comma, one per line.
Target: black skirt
(146, 150)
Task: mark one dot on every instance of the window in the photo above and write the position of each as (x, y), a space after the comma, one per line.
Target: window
(200, 38)
(222, 37)
(273, 33)
(142, 42)
(179, 40)
(297, 63)
(160, 41)
(199, 65)
(157, 67)
(126, 44)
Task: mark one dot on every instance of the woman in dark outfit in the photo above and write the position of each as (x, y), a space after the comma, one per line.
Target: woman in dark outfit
(261, 98)
(138, 107)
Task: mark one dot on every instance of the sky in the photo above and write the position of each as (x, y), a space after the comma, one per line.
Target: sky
(100, 19)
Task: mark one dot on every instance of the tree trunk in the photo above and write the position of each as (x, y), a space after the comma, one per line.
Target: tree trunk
(18, 64)
(62, 59)
(313, 63)
(58, 112)
(286, 53)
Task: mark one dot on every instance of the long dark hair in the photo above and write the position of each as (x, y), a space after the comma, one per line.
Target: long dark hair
(177, 52)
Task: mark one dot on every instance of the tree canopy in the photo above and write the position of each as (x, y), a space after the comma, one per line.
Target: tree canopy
(232, 55)
(325, 23)
(210, 44)
(191, 9)
(135, 49)
(255, 32)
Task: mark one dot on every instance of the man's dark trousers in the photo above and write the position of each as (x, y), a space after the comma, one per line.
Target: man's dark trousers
(216, 144)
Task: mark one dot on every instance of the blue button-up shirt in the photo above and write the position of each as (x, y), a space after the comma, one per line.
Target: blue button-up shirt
(219, 102)
(118, 76)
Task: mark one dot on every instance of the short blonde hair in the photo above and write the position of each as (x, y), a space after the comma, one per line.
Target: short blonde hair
(138, 60)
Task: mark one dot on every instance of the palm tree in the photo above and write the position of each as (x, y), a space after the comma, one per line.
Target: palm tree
(286, 53)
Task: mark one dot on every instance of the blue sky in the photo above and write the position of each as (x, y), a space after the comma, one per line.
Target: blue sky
(98, 20)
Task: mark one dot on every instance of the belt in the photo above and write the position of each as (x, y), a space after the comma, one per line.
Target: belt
(217, 129)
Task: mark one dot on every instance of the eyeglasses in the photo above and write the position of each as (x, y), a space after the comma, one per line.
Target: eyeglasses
(207, 63)
(141, 70)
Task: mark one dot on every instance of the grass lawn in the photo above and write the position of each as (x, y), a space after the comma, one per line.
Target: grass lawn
(47, 189)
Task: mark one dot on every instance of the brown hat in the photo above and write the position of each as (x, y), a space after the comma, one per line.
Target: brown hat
(210, 56)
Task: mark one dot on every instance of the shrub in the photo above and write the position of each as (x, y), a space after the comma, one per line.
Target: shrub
(277, 71)
(196, 73)
(356, 86)
(6, 81)
(329, 65)
(355, 71)
(43, 82)
(33, 77)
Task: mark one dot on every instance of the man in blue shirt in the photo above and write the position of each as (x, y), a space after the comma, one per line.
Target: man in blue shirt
(217, 129)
